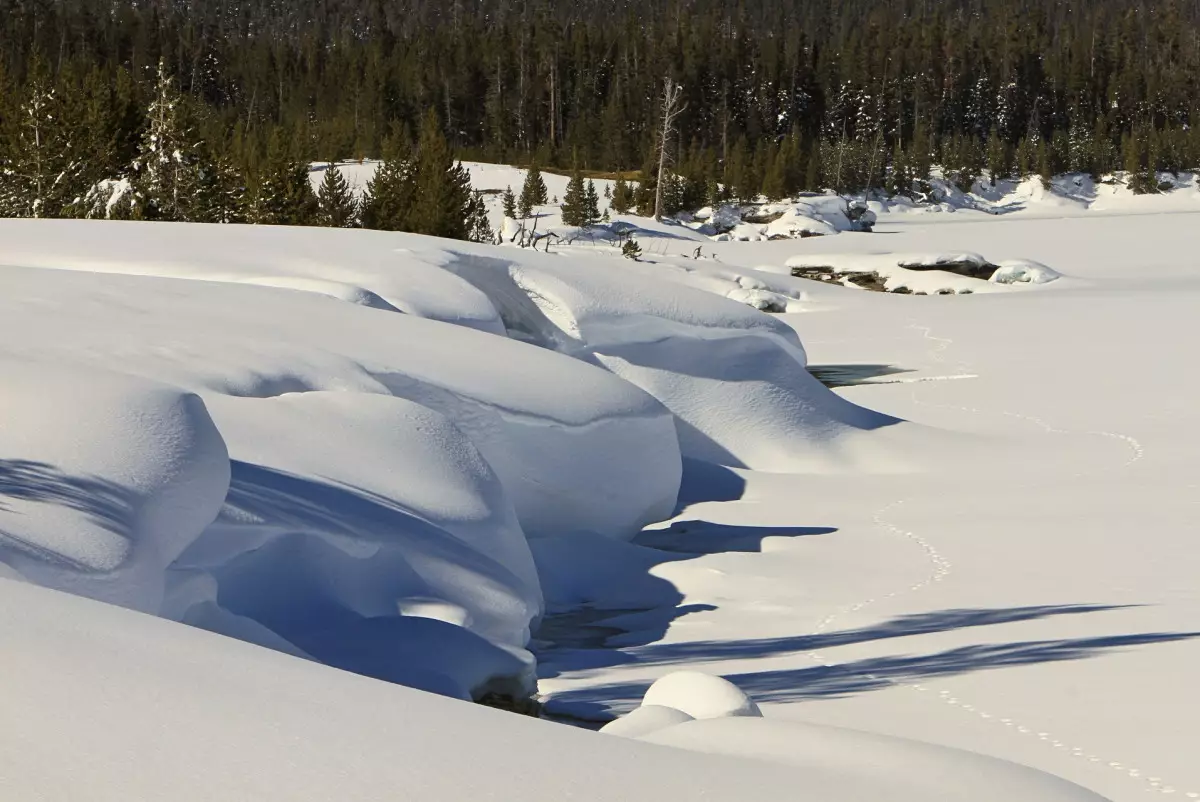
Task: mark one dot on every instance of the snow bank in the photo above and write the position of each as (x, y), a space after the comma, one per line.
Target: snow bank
(733, 377)
(326, 548)
(107, 705)
(104, 480)
(645, 720)
(867, 766)
(576, 448)
(368, 268)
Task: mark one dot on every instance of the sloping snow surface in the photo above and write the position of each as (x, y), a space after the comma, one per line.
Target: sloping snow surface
(362, 456)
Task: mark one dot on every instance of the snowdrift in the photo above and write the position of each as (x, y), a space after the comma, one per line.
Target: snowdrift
(338, 445)
(376, 474)
(734, 378)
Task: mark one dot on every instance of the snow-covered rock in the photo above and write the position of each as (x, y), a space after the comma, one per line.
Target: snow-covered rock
(700, 696)
(1023, 271)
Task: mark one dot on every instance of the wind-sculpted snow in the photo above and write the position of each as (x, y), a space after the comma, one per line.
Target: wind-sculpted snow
(734, 378)
(382, 472)
(104, 479)
(368, 268)
(576, 448)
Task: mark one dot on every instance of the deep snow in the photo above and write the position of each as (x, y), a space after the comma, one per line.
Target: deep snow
(398, 456)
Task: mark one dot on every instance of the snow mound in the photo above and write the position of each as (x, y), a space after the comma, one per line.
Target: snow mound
(645, 720)
(105, 479)
(734, 377)
(795, 222)
(368, 268)
(144, 709)
(866, 766)
(403, 519)
(700, 696)
(601, 457)
(1023, 271)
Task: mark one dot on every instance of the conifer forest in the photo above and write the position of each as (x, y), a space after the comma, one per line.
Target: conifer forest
(213, 110)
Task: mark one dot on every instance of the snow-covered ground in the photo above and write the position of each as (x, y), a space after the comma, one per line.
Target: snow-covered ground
(967, 575)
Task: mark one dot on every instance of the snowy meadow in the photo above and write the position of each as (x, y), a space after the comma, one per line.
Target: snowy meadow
(277, 504)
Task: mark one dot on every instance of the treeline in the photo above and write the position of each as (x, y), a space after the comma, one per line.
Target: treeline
(779, 96)
(88, 150)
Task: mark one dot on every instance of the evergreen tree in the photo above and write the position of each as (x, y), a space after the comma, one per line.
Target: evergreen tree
(220, 193)
(574, 211)
(166, 171)
(441, 187)
(533, 193)
(389, 195)
(631, 249)
(591, 205)
(622, 197)
(43, 173)
(336, 205)
(479, 229)
(509, 203)
(281, 193)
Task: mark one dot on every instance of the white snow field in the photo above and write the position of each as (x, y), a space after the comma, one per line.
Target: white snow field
(966, 574)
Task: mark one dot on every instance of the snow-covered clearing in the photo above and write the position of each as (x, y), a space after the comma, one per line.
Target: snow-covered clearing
(425, 462)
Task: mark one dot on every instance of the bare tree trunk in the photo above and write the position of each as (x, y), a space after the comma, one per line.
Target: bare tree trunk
(671, 109)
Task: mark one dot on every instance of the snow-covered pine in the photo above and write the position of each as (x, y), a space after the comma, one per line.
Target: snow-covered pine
(166, 172)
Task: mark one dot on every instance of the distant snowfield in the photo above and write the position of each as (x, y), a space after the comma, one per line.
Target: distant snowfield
(398, 456)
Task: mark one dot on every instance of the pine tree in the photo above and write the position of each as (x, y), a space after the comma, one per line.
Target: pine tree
(336, 205)
(591, 205)
(220, 193)
(167, 168)
(509, 204)
(631, 249)
(44, 170)
(441, 187)
(479, 229)
(388, 198)
(574, 211)
(712, 193)
(622, 198)
(282, 194)
(533, 193)
(1043, 163)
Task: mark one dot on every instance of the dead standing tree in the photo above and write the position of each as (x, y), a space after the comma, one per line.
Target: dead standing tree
(671, 108)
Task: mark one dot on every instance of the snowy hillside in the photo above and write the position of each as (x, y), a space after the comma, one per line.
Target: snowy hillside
(485, 472)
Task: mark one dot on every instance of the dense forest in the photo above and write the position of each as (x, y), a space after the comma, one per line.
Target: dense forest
(779, 96)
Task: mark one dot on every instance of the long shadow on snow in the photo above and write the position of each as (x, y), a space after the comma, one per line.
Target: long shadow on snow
(700, 652)
(108, 504)
(588, 635)
(860, 676)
